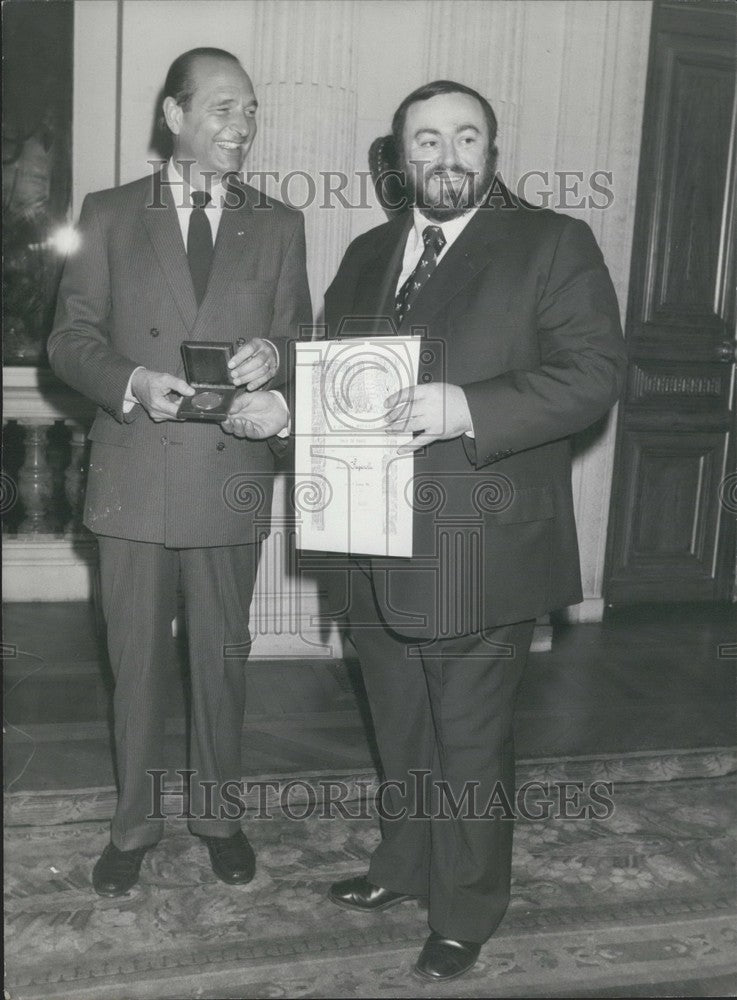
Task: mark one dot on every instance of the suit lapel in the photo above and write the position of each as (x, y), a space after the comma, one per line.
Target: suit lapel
(163, 229)
(375, 289)
(474, 249)
(469, 254)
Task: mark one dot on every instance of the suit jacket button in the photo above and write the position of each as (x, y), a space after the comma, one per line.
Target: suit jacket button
(164, 439)
(153, 331)
(220, 446)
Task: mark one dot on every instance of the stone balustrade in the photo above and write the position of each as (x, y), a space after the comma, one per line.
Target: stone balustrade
(48, 554)
(45, 455)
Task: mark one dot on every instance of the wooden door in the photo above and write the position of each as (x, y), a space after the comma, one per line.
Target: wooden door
(672, 521)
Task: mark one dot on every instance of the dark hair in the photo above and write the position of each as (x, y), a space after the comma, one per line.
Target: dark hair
(179, 83)
(429, 90)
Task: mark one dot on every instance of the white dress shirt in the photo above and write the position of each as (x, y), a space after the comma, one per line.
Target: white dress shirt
(182, 194)
(415, 244)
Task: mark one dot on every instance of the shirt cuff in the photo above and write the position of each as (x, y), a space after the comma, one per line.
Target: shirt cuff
(285, 431)
(129, 400)
(470, 433)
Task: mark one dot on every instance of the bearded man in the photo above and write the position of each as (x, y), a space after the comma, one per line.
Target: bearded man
(523, 349)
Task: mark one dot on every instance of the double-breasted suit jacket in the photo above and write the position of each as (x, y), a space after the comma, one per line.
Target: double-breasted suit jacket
(521, 313)
(126, 299)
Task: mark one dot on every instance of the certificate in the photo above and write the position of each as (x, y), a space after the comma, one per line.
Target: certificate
(352, 490)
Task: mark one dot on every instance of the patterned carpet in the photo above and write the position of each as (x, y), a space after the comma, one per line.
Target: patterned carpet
(640, 903)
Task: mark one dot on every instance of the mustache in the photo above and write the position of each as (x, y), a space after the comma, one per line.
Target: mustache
(456, 170)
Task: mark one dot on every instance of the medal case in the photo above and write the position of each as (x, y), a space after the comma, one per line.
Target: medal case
(206, 370)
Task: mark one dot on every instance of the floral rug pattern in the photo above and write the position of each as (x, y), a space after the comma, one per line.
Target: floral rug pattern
(645, 895)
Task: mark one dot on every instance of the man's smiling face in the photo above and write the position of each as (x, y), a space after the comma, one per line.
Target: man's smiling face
(447, 154)
(217, 127)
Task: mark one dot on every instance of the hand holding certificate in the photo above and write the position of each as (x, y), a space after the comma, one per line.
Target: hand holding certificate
(352, 485)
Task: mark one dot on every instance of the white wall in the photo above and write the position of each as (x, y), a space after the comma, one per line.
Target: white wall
(94, 126)
(566, 77)
(154, 33)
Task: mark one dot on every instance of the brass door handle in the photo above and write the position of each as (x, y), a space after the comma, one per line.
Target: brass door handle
(727, 351)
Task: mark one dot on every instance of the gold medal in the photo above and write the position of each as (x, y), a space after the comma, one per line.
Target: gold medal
(207, 400)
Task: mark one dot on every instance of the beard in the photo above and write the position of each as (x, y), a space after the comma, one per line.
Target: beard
(441, 199)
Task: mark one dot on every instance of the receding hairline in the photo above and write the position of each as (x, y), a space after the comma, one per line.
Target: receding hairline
(222, 60)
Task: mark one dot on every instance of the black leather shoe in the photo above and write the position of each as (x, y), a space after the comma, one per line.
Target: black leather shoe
(442, 958)
(232, 858)
(358, 893)
(117, 871)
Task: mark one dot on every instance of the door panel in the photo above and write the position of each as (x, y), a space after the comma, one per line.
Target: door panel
(673, 531)
(670, 538)
(696, 77)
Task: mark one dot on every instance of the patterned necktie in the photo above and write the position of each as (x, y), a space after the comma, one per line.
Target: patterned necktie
(434, 243)
(199, 244)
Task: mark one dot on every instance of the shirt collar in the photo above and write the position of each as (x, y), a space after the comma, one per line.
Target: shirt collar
(217, 191)
(451, 229)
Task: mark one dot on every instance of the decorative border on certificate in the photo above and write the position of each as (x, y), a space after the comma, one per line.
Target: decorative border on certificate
(351, 486)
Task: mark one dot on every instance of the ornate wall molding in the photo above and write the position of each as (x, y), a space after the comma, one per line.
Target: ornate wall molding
(481, 45)
(610, 43)
(304, 68)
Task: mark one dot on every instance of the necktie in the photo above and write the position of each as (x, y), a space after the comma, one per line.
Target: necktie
(199, 244)
(434, 242)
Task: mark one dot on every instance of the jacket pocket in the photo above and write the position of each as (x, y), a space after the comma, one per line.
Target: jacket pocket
(528, 503)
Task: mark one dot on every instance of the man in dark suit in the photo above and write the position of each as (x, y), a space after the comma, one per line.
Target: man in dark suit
(523, 348)
(189, 253)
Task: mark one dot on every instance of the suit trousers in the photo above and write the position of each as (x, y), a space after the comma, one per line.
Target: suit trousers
(445, 712)
(139, 584)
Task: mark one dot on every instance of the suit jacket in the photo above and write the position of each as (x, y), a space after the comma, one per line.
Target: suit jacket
(522, 314)
(126, 299)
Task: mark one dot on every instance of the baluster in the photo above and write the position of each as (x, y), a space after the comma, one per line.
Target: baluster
(76, 475)
(36, 479)
(57, 456)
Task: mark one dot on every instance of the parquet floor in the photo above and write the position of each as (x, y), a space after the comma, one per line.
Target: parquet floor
(644, 679)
